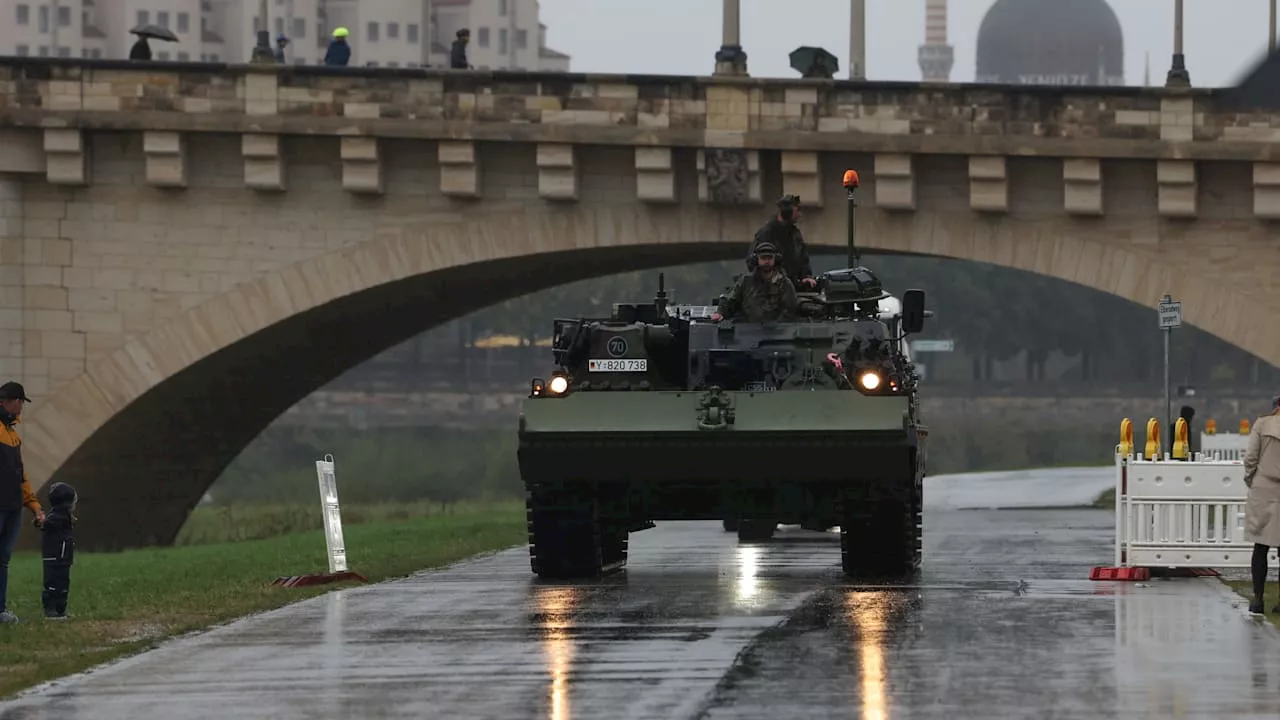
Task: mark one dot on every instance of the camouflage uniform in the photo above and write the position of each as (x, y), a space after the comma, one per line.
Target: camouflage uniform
(761, 300)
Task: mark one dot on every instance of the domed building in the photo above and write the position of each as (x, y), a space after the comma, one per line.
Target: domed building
(1051, 42)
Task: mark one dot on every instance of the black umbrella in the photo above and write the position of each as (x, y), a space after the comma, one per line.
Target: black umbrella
(155, 31)
(814, 62)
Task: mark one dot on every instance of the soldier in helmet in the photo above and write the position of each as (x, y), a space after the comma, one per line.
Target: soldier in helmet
(781, 232)
(763, 295)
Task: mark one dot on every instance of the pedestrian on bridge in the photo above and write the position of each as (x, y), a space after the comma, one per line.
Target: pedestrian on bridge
(1262, 511)
(15, 490)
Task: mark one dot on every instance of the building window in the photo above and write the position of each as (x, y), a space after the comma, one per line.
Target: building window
(97, 53)
(393, 31)
(23, 14)
(299, 28)
(502, 8)
(393, 64)
(144, 17)
(64, 17)
(163, 56)
(184, 22)
(24, 50)
(502, 41)
(482, 37)
(522, 39)
(162, 19)
(279, 23)
(64, 52)
(373, 32)
(411, 33)
(183, 57)
(43, 51)
(44, 18)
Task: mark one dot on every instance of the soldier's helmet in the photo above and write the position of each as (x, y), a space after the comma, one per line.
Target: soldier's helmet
(764, 248)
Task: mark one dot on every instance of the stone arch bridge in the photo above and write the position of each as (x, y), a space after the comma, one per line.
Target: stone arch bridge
(188, 251)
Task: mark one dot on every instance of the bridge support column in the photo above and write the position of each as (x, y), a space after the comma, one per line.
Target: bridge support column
(655, 175)
(1266, 190)
(1082, 191)
(361, 165)
(729, 176)
(1176, 180)
(895, 182)
(988, 184)
(800, 176)
(459, 169)
(166, 154)
(263, 162)
(66, 158)
(11, 281)
(557, 171)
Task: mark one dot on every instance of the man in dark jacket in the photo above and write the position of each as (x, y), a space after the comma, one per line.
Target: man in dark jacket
(458, 53)
(782, 233)
(15, 490)
(339, 52)
(141, 50)
(58, 550)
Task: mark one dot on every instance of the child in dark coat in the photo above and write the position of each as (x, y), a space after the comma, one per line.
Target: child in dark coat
(59, 549)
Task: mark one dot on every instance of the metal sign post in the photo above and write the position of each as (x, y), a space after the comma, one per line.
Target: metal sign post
(333, 541)
(1170, 318)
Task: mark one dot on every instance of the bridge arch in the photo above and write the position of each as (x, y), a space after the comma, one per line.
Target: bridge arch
(145, 430)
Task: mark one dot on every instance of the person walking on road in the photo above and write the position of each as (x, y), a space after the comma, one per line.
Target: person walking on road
(15, 490)
(1262, 510)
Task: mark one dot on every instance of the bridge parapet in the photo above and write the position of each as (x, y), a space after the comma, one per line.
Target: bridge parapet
(732, 119)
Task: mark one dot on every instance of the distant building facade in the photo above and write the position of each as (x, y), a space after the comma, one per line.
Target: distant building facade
(505, 34)
(1051, 42)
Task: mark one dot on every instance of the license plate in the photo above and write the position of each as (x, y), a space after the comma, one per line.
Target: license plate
(622, 365)
(759, 387)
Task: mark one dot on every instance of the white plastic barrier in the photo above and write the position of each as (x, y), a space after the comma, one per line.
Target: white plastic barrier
(1228, 446)
(1181, 514)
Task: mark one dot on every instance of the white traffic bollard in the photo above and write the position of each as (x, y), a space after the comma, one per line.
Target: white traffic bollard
(332, 515)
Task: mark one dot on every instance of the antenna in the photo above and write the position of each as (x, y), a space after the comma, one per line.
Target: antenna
(660, 300)
(851, 185)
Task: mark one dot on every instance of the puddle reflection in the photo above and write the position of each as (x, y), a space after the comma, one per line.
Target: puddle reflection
(874, 618)
(747, 590)
(555, 620)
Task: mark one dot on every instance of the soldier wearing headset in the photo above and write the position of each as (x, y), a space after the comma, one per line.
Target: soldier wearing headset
(781, 232)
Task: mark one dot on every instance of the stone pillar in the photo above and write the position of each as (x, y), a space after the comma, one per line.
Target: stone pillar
(557, 171)
(655, 175)
(1266, 190)
(801, 176)
(1177, 188)
(1082, 181)
(988, 183)
(66, 157)
(361, 165)
(858, 39)
(895, 182)
(1178, 75)
(459, 169)
(166, 155)
(263, 162)
(12, 366)
(730, 59)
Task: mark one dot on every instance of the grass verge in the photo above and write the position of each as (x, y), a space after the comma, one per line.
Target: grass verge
(1106, 499)
(125, 602)
(1245, 589)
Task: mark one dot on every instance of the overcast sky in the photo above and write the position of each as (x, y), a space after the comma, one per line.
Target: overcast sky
(1223, 39)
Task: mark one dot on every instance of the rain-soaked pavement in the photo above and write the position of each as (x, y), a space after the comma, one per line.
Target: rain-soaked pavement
(1002, 622)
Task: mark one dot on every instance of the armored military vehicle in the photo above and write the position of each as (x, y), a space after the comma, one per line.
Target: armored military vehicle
(658, 413)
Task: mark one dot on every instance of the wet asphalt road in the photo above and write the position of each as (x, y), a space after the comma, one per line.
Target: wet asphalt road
(1002, 622)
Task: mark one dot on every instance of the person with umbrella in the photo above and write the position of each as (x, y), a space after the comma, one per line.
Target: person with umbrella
(141, 50)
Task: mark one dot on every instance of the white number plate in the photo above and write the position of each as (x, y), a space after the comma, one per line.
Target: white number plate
(624, 365)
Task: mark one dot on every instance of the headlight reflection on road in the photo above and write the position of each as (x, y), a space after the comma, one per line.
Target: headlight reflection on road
(867, 615)
(748, 566)
(555, 605)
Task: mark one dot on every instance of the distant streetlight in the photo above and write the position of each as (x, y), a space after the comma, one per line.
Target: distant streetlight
(858, 39)
(1178, 75)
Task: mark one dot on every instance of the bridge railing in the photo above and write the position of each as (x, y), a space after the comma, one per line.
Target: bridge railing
(1178, 510)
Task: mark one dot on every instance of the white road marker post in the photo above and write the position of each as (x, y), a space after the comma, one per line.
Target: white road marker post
(333, 540)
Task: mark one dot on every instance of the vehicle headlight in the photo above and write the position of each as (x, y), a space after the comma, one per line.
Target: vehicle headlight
(558, 385)
(868, 380)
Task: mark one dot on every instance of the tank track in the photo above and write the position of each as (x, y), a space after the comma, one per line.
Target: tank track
(572, 533)
(882, 538)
